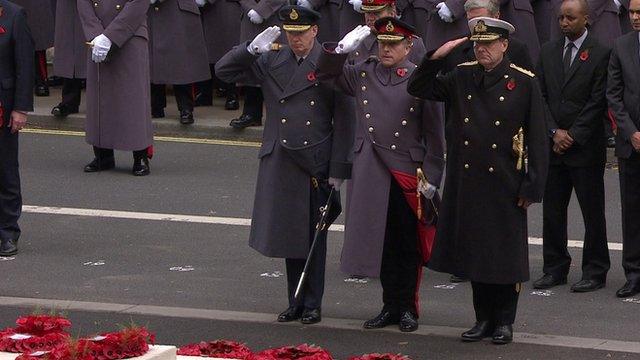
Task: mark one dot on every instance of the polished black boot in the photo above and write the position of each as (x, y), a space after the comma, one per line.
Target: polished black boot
(103, 160)
(479, 331)
(385, 318)
(63, 110)
(186, 117)
(503, 334)
(408, 322)
(291, 314)
(232, 102)
(140, 163)
(8, 247)
(311, 316)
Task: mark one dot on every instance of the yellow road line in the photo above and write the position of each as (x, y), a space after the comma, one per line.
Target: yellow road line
(156, 138)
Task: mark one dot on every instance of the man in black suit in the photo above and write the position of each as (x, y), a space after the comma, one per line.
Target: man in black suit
(517, 52)
(16, 99)
(573, 74)
(623, 89)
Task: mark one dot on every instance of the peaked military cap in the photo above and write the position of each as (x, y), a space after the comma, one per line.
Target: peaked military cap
(376, 5)
(485, 29)
(392, 29)
(297, 18)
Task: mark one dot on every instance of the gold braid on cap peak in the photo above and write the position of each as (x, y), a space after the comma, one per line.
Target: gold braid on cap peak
(522, 70)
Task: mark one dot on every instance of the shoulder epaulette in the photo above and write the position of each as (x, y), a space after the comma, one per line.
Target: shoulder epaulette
(522, 70)
(469, 63)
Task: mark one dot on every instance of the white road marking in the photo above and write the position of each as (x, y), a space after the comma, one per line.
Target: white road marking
(217, 220)
(327, 323)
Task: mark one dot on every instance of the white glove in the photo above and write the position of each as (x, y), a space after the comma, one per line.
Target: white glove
(357, 5)
(618, 4)
(305, 3)
(101, 46)
(426, 189)
(336, 183)
(254, 17)
(444, 12)
(351, 41)
(153, 1)
(201, 3)
(262, 43)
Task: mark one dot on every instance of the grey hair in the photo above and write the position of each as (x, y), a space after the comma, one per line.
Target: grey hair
(490, 5)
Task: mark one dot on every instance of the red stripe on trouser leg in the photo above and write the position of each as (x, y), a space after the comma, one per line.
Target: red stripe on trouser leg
(416, 296)
(612, 119)
(193, 91)
(42, 63)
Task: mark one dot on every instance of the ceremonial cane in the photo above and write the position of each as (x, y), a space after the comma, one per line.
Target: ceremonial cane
(320, 226)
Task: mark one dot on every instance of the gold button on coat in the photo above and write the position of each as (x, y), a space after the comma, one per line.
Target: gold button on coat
(282, 101)
(312, 103)
(466, 166)
(363, 74)
(490, 169)
(412, 109)
(305, 143)
(393, 147)
(95, 4)
(284, 141)
(501, 98)
(404, 122)
(494, 146)
(397, 134)
(365, 102)
(283, 120)
(370, 128)
(466, 143)
(469, 97)
(118, 7)
(497, 123)
(308, 123)
(367, 116)
(466, 120)
(364, 88)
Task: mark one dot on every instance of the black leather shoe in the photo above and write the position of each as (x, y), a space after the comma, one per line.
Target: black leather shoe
(503, 334)
(244, 121)
(479, 331)
(100, 165)
(220, 92)
(8, 247)
(587, 285)
(547, 281)
(232, 102)
(41, 90)
(385, 318)
(140, 165)
(611, 142)
(408, 322)
(157, 113)
(457, 279)
(311, 316)
(63, 110)
(291, 314)
(186, 117)
(630, 288)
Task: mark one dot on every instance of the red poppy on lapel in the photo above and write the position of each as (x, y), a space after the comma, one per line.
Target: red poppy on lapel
(311, 76)
(401, 72)
(584, 55)
(511, 84)
(2, 30)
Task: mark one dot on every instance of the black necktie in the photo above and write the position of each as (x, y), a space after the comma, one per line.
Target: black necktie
(566, 61)
(300, 61)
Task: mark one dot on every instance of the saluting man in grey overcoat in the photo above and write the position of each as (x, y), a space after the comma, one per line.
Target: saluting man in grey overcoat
(306, 143)
(118, 109)
(396, 134)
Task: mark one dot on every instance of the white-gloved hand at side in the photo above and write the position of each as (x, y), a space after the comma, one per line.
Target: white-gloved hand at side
(444, 12)
(254, 17)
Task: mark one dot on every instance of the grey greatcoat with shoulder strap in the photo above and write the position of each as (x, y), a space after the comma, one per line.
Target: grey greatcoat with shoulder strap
(394, 132)
(70, 59)
(118, 105)
(306, 134)
(40, 19)
(177, 50)
(221, 24)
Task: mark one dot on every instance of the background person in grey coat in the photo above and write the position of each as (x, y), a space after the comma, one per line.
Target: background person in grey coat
(70, 60)
(177, 54)
(118, 108)
(305, 148)
(329, 23)
(256, 17)
(40, 19)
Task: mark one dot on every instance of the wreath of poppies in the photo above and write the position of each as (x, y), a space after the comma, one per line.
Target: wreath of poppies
(223, 349)
(300, 352)
(35, 332)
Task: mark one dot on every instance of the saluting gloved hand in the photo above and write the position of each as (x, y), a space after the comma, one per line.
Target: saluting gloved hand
(101, 46)
(336, 183)
(254, 17)
(357, 5)
(351, 41)
(305, 3)
(262, 43)
(427, 189)
(201, 3)
(444, 12)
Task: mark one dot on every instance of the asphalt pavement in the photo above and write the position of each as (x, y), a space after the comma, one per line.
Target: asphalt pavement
(193, 279)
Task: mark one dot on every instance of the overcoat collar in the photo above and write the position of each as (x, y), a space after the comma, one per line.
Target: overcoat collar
(291, 77)
(396, 74)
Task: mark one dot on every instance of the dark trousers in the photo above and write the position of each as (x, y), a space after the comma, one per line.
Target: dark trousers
(401, 264)
(10, 197)
(588, 183)
(103, 154)
(71, 93)
(183, 94)
(495, 303)
(206, 87)
(41, 67)
(629, 170)
(313, 289)
(253, 100)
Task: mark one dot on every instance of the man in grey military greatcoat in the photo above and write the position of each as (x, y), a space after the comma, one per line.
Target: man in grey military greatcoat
(118, 108)
(388, 232)
(306, 143)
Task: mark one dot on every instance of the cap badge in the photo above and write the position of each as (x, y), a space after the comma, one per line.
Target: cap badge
(294, 15)
(390, 27)
(480, 27)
